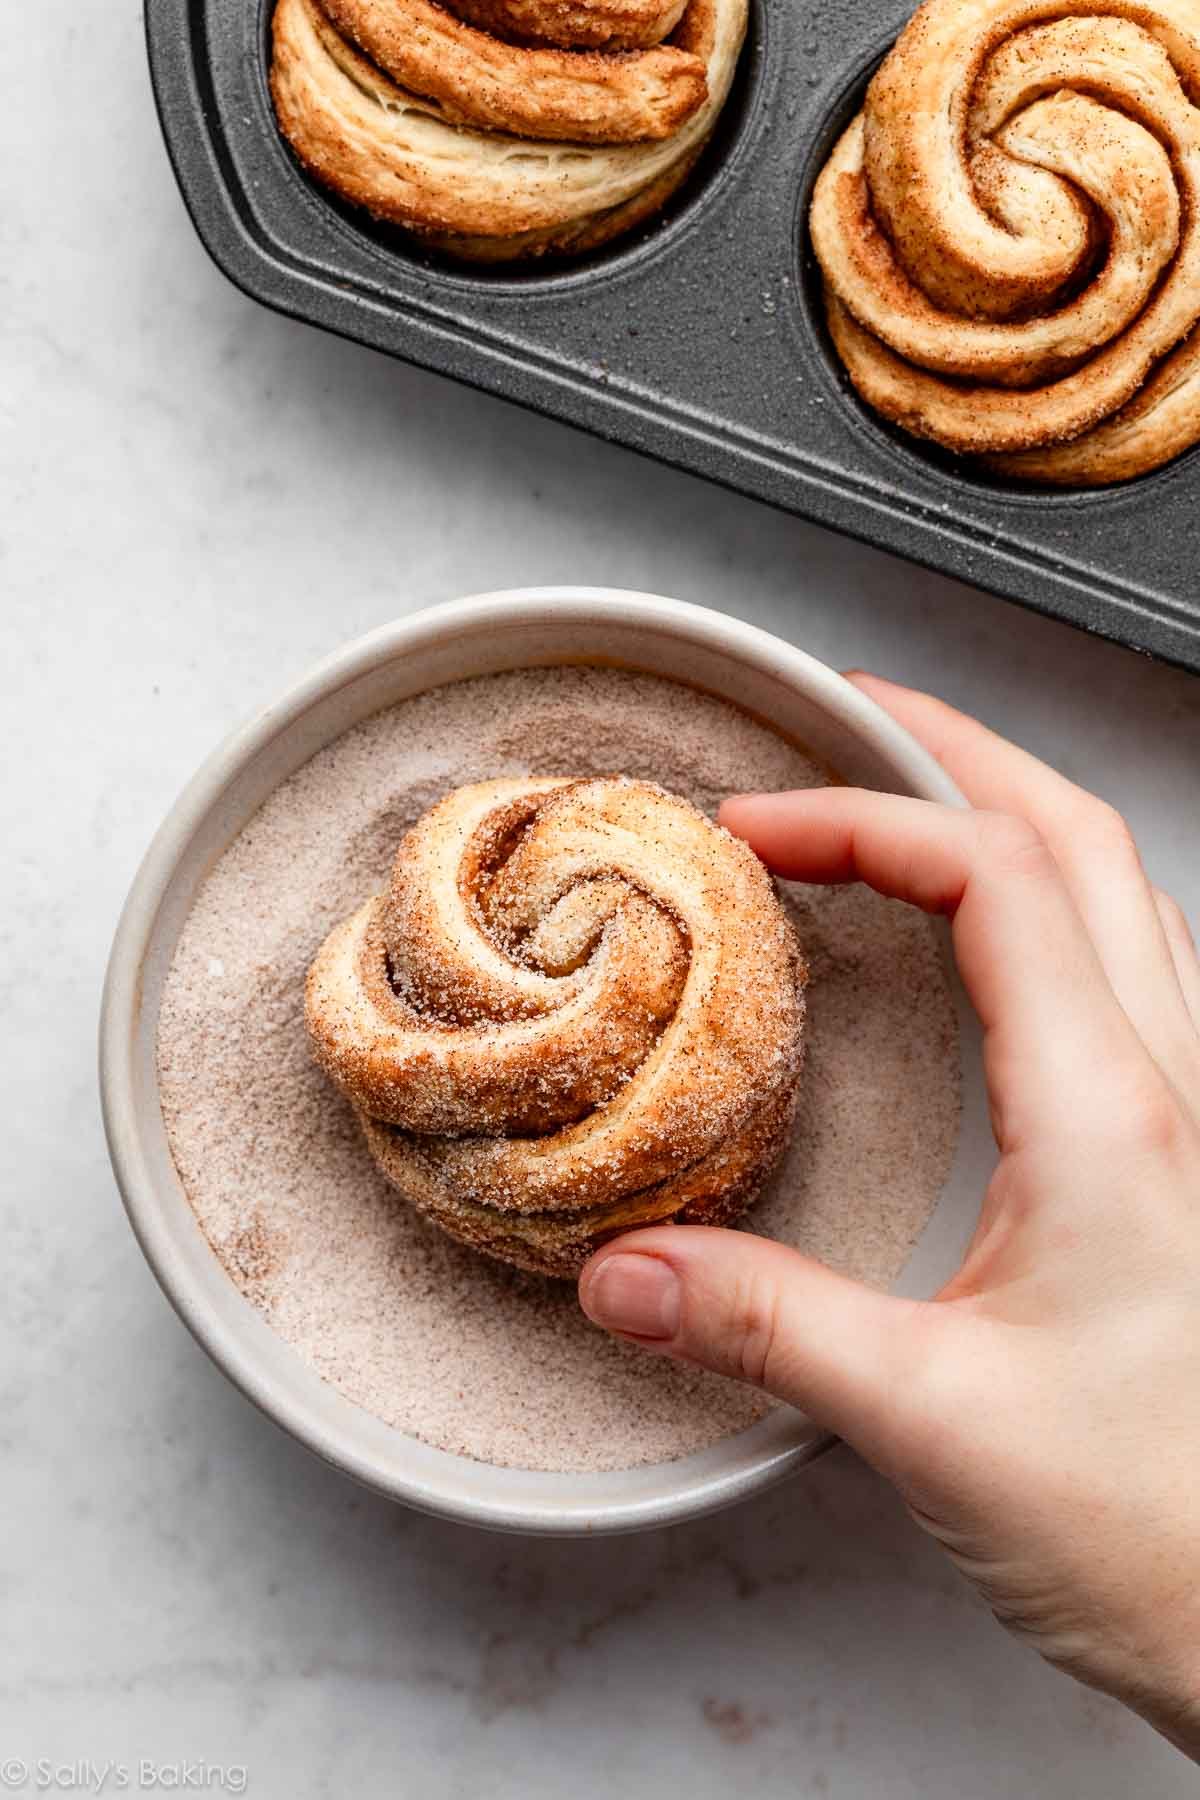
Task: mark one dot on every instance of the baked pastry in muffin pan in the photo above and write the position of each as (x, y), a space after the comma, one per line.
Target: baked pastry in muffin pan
(1009, 234)
(502, 129)
(578, 1008)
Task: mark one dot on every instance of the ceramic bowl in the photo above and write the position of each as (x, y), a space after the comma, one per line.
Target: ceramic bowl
(778, 683)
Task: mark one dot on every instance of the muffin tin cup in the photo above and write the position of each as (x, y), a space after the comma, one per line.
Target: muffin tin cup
(534, 627)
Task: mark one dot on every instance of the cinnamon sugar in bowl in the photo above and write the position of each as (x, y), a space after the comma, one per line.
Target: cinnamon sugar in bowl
(415, 1365)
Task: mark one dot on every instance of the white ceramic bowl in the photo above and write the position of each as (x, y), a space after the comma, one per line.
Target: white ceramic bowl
(802, 697)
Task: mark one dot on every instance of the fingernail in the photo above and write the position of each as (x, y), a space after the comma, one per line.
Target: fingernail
(637, 1294)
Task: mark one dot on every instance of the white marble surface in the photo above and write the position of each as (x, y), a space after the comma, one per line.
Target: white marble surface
(197, 500)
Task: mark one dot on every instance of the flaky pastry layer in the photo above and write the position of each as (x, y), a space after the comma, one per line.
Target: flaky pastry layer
(493, 148)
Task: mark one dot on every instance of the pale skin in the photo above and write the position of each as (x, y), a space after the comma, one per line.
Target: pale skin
(1041, 1416)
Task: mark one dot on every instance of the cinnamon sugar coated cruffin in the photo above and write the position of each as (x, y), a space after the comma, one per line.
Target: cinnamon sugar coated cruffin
(578, 1008)
(434, 1339)
(1009, 234)
(498, 134)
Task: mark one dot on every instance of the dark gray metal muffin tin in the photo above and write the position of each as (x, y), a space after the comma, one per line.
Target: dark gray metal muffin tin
(699, 341)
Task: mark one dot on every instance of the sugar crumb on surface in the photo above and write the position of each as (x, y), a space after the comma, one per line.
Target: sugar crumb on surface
(437, 1341)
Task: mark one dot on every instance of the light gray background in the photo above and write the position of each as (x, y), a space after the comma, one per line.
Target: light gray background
(198, 500)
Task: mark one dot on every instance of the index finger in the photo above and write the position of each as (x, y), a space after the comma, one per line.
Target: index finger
(1052, 1024)
(1093, 848)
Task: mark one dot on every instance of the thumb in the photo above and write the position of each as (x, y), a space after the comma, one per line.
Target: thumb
(753, 1309)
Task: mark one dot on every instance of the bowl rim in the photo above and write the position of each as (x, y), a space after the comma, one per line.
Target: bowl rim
(121, 1007)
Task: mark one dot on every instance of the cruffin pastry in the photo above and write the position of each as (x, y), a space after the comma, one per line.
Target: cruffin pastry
(578, 1007)
(1009, 235)
(500, 129)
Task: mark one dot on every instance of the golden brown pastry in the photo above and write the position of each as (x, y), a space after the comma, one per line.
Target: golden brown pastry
(1009, 234)
(578, 1007)
(498, 129)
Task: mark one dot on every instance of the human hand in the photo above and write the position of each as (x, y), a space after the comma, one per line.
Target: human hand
(1041, 1417)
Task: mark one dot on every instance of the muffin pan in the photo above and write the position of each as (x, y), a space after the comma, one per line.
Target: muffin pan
(698, 340)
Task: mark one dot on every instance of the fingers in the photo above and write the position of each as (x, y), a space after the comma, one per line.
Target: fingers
(1182, 946)
(755, 1310)
(1052, 1024)
(1093, 848)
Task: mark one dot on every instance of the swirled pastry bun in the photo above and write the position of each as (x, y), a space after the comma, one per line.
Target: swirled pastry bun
(1009, 234)
(578, 1008)
(499, 129)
